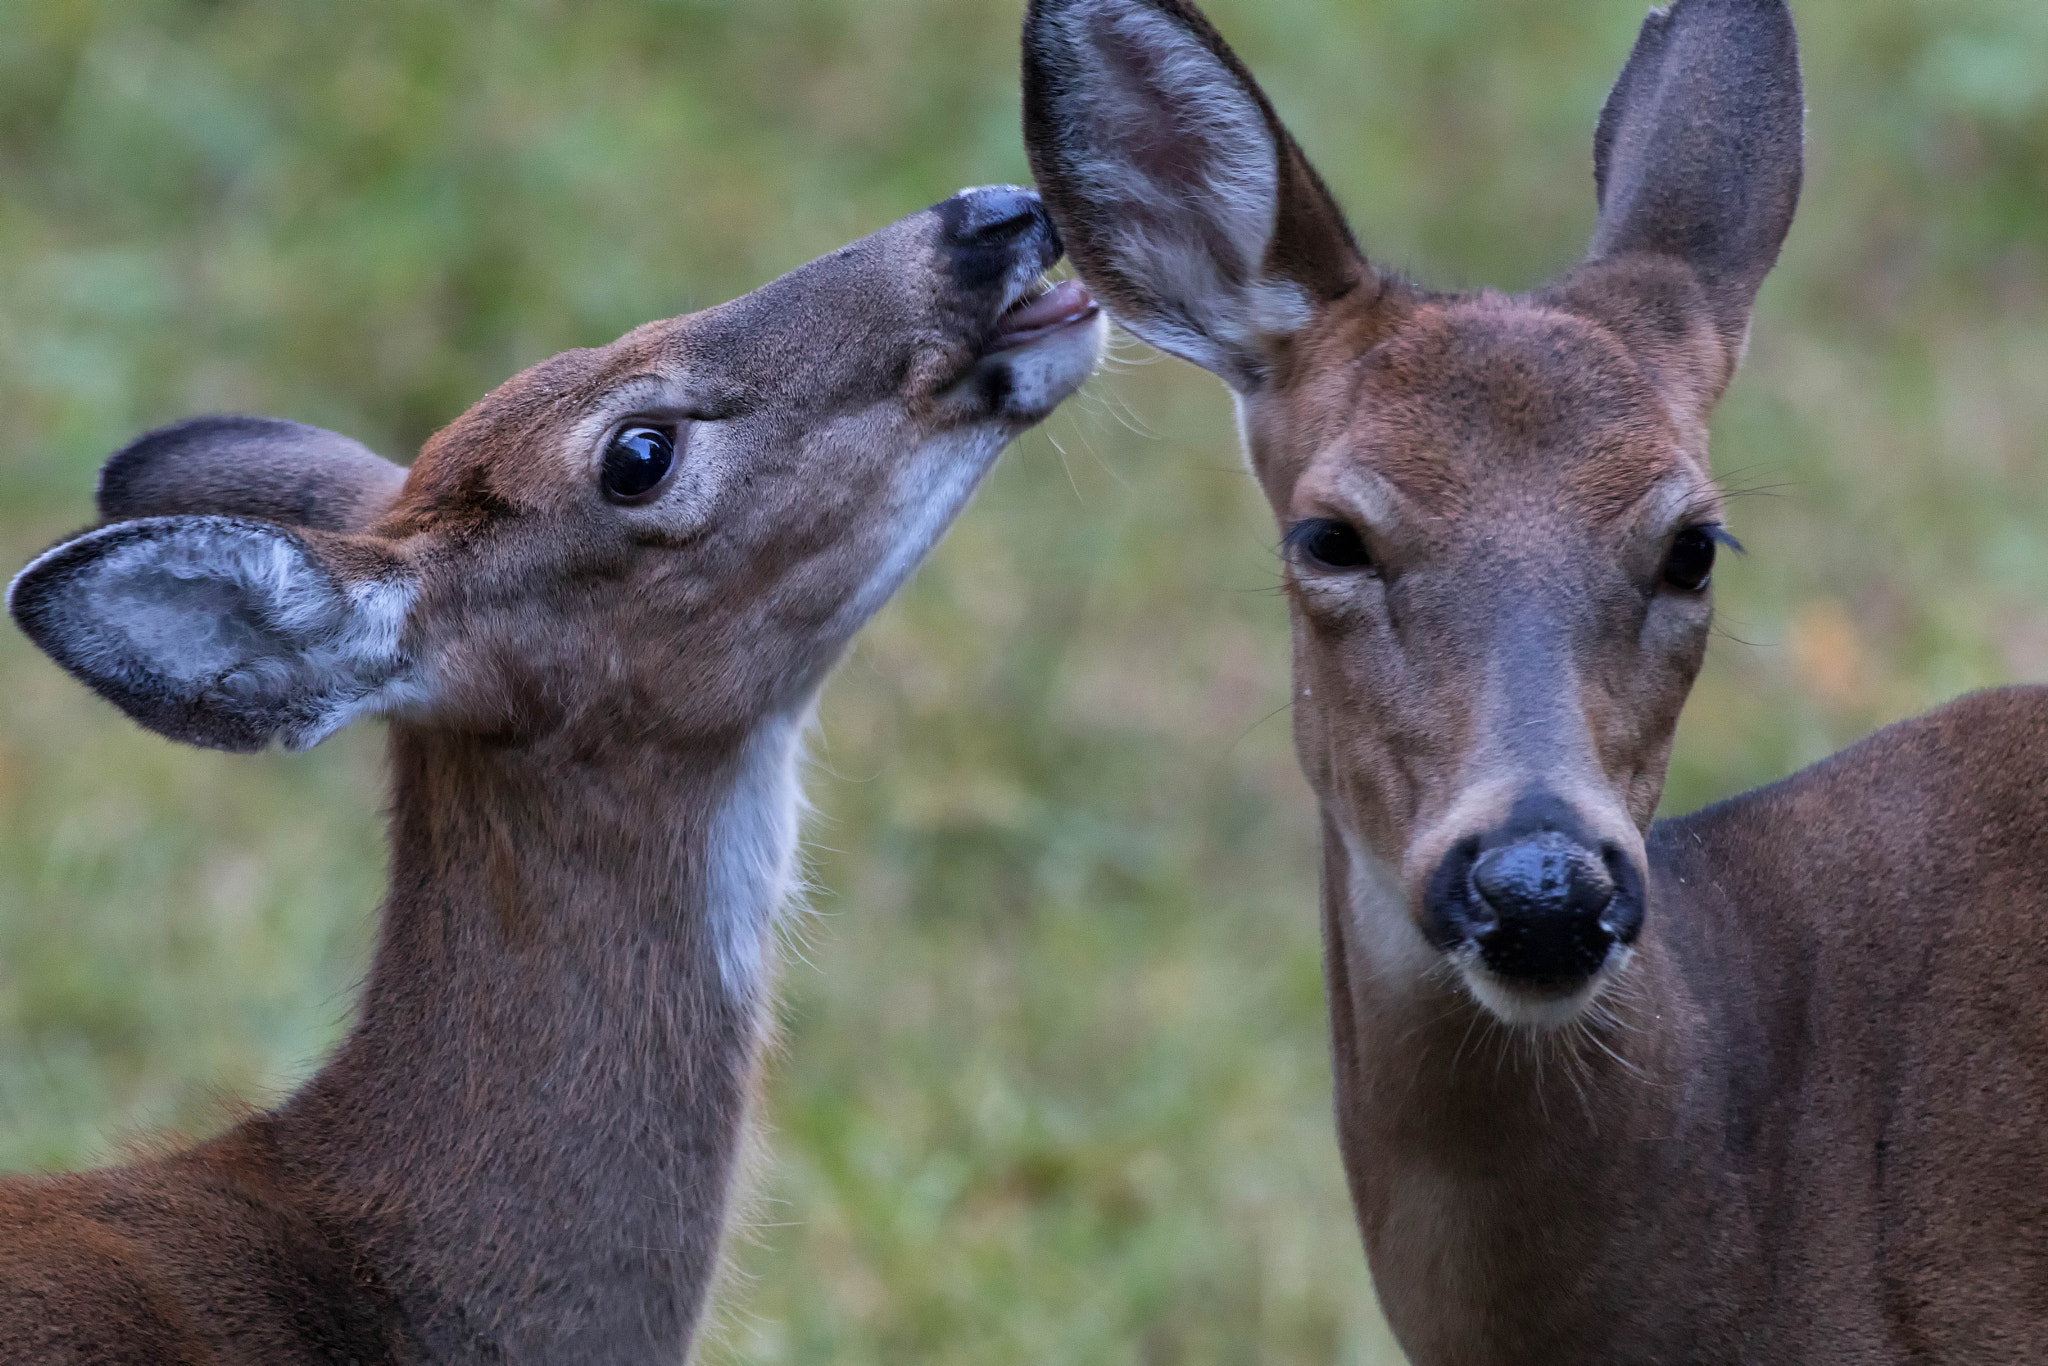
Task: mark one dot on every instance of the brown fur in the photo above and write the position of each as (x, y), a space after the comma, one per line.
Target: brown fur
(525, 1149)
(1801, 1122)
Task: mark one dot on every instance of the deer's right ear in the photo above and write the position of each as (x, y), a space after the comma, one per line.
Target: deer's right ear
(1185, 204)
(263, 467)
(225, 633)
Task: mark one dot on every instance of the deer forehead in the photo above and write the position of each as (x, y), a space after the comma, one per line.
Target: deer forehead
(503, 454)
(1473, 409)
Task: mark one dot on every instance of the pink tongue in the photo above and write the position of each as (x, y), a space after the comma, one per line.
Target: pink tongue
(1067, 301)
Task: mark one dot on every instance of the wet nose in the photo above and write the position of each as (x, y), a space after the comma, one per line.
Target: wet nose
(1545, 874)
(993, 215)
(999, 235)
(1540, 900)
(1545, 896)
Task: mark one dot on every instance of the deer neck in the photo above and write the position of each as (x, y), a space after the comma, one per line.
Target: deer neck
(534, 1129)
(1492, 1167)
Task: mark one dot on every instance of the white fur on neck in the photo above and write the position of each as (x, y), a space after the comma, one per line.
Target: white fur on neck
(752, 852)
(754, 831)
(929, 488)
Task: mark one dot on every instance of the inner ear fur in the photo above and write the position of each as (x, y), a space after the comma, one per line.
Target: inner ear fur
(223, 632)
(262, 467)
(1183, 200)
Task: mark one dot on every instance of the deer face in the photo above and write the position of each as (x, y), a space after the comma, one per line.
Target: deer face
(669, 536)
(732, 494)
(1497, 557)
(1497, 519)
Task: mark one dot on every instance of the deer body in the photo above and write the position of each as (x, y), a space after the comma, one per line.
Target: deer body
(1763, 1084)
(597, 610)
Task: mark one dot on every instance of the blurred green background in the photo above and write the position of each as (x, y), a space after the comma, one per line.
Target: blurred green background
(1055, 1086)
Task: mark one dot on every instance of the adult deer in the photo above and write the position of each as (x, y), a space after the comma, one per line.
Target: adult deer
(1764, 1084)
(597, 611)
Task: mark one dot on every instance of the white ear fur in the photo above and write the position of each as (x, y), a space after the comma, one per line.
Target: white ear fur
(1182, 169)
(220, 632)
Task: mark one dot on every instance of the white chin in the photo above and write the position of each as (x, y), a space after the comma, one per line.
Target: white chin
(1045, 372)
(1533, 1008)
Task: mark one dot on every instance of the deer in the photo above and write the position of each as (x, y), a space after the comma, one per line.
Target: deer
(1765, 1083)
(595, 613)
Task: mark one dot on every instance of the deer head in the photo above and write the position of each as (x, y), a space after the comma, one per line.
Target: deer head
(1498, 519)
(669, 537)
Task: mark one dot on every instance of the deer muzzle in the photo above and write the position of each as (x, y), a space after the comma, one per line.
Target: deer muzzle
(1536, 909)
(1037, 341)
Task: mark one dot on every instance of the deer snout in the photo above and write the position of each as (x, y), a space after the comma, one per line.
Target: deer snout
(1033, 342)
(1534, 911)
(998, 238)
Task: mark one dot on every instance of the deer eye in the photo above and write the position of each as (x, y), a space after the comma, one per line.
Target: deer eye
(1691, 562)
(637, 460)
(1330, 544)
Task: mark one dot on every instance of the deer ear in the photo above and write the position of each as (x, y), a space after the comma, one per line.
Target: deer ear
(1699, 151)
(262, 467)
(1184, 202)
(225, 633)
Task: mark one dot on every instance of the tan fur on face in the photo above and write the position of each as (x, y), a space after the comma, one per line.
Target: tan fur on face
(1516, 472)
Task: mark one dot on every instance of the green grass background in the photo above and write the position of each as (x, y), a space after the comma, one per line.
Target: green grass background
(1055, 1088)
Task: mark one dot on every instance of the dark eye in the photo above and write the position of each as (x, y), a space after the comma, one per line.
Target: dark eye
(1692, 559)
(1330, 544)
(637, 460)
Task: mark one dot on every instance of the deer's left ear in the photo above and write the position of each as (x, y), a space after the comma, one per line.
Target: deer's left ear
(223, 632)
(1700, 150)
(1185, 204)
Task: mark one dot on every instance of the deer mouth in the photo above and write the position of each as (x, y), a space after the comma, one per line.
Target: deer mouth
(1036, 352)
(1044, 310)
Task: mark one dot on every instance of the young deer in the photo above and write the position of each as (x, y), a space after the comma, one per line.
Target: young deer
(597, 611)
(1765, 1084)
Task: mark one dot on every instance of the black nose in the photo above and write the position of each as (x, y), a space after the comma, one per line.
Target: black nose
(1534, 898)
(996, 214)
(999, 235)
(1545, 896)
(1545, 874)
